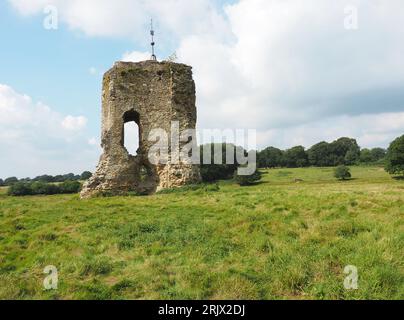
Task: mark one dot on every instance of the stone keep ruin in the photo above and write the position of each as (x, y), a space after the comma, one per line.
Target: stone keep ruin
(153, 94)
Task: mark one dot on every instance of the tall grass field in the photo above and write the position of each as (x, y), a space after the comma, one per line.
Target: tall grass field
(289, 237)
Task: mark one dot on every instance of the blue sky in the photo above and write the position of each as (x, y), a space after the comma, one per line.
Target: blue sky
(291, 70)
(53, 65)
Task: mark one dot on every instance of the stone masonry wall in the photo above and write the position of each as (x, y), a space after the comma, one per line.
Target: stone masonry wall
(153, 94)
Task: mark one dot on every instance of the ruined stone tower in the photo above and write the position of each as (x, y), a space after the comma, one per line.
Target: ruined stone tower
(153, 94)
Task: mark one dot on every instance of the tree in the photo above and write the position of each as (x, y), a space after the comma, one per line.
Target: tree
(1, 183)
(319, 155)
(59, 178)
(86, 175)
(44, 178)
(372, 155)
(378, 154)
(247, 180)
(295, 157)
(352, 156)
(366, 156)
(212, 172)
(395, 157)
(343, 146)
(70, 177)
(10, 181)
(270, 158)
(342, 172)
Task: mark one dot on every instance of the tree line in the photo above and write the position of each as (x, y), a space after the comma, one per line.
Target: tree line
(43, 188)
(47, 179)
(343, 151)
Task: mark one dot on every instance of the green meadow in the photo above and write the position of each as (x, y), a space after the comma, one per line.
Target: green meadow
(289, 237)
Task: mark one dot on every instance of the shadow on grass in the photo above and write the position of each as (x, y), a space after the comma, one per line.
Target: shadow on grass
(398, 178)
(347, 180)
(253, 184)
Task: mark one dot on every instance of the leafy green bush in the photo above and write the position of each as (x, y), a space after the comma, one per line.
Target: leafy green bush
(214, 172)
(43, 188)
(248, 180)
(20, 189)
(210, 171)
(70, 187)
(342, 173)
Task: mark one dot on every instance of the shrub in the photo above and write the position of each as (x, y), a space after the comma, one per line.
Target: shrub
(342, 173)
(247, 180)
(20, 189)
(43, 188)
(70, 187)
(212, 172)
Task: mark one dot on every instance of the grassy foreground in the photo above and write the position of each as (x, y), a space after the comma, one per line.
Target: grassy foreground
(280, 239)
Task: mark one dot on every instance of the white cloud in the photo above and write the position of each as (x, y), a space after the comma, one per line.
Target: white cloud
(293, 62)
(375, 130)
(74, 123)
(93, 141)
(30, 7)
(281, 66)
(295, 74)
(36, 139)
(135, 56)
(128, 18)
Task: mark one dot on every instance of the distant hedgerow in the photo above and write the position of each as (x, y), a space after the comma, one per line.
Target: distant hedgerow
(20, 189)
(43, 188)
(70, 187)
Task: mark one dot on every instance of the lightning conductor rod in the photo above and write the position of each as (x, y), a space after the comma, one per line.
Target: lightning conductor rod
(153, 57)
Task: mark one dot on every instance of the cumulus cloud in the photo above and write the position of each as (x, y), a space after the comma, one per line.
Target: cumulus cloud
(371, 130)
(280, 66)
(135, 56)
(35, 139)
(294, 62)
(74, 123)
(294, 67)
(128, 18)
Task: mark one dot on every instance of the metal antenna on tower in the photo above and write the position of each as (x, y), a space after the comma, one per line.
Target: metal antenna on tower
(153, 57)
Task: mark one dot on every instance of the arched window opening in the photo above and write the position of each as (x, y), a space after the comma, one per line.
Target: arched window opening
(131, 135)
